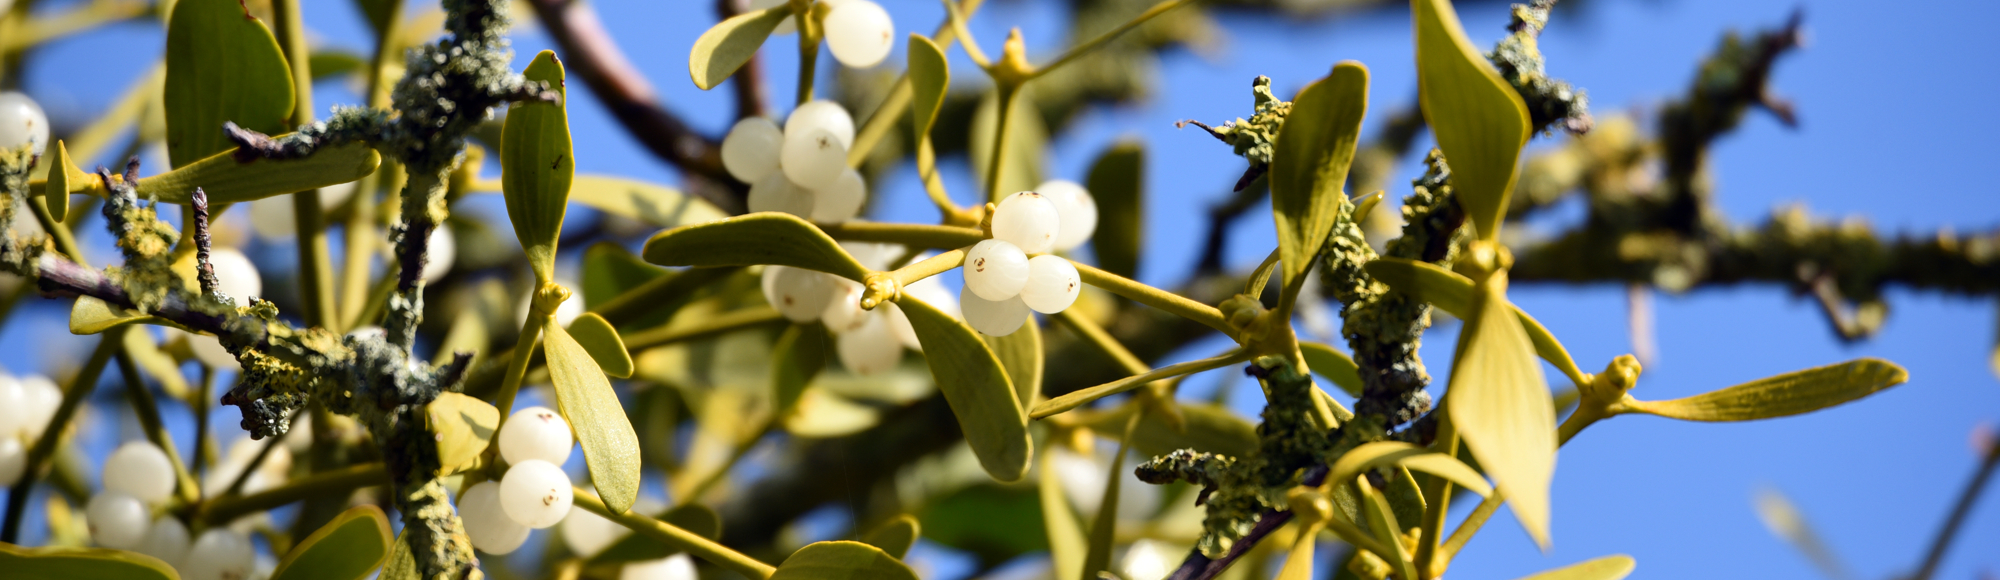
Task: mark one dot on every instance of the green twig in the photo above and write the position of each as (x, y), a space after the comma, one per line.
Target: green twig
(341, 481)
(676, 537)
(1079, 50)
(1170, 302)
(892, 108)
(1963, 508)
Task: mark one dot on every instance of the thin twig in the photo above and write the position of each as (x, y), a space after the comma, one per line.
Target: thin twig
(1959, 512)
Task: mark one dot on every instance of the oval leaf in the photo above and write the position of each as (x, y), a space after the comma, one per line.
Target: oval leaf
(799, 355)
(842, 561)
(350, 547)
(929, 77)
(1784, 395)
(1478, 119)
(1605, 568)
(1310, 161)
(1020, 354)
(1336, 366)
(1369, 456)
(225, 180)
(724, 48)
(91, 316)
(69, 563)
(1452, 293)
(601, 340)
(651, 203)
(586, 400)
(223, 66)
(1502, 407)
(536, 166)
(1067, 545)
(1117, 181)
(759, 238)
(977, 388)
(895, 536)
(463, 427)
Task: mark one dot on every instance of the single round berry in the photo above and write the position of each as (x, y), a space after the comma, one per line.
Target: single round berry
(870, 349)
(13, 459)
(167, 540)
(840, 200)
(1076, 209)
(859, 33)
(117, 520)
(777, 193)
(993, 317)
(1052, 284)
(439, 256)
(535, 493)
(822, 114)
(235, 276)
(675, 567)
(995, 270)
(750, 151)
(1028, 221)
(140, 469)
(812, 158)
(535, 433)
(40, 398)
(486, 522)
(800, 294)
(219, 554)
(22, 122)
(13, 406)
(843, 311)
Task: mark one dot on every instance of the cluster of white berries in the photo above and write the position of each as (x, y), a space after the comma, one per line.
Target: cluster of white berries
(1002, 281)
(800, 169)
(137, 478)
(858, 32)
(27, 405)
(22, 122)
(535, 493)
(867, 343)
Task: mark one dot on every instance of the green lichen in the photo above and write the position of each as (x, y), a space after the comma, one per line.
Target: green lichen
(1519, 57)
(1255, 138)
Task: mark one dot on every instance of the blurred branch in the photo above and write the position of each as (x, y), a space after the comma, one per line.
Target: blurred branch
(1959, 511)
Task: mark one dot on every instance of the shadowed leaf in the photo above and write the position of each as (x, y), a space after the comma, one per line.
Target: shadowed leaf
(976, 387)
(1452, 293)
(1784, 395)
(730, 43)
(895, 536)
(69, 563)
(1309, 164)
(1027, 142)
(1386, 453)
(463, 426)
(584, 395)
(842, 561)
(1067, 546)
(350, 547)
(1336, 366)
(799, 355)
(536, 167)
(1480, 122)
(758, 238)
(1020, 353)
(223, 66)
(696, 518)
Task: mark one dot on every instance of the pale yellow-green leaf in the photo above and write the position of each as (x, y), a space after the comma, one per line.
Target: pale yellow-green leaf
(225, 180)
(1117, 180)
(1605, 568)
(819, 414)
(1299, 559)
(842, 561)
(1502, 407)
(223, 65)
(91, 316)
(1309, 164)
(1027, 141)
(730, 43)
(1336, 366)
(402, 565)
(758, 238)
(976, 387)
(536, 167)
(1386, 453)
(799, 355)
(654, 204)
(1261, 276)
(894, 537)
(929, 77)
(463, 427)
(1067, 545)
(1480, 122)
(56, 193)
(1020, 354)
(72, 563)
(350, 547)
(601, 340)
(1780, 396)
(1452, 293)
(1366, 204)
(584, 395)
(1388, 531)
(1104, 525)
(156, 363)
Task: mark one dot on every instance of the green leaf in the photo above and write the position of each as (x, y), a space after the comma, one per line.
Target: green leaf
(1502, 407)
(91, 316)
(350, 547)
(758, 238)
(155, 363)
(995, 523)
(327, 64)
(1310, 161)
(1210, 428)
(402, 565)
(1336, 366)
(1366, 205)
(842, 561)
(56, 193)
(225, 180)
(71, 563)
(976, 387)
(1369, 456)
(1478, 119)
(536, 166)
(695, 518)
(651, 203)
(895, 536)
(609, 270)
(1452, 293)
(1117, 180)
(379, 13)
(1104, 525)
(1605, 568)
(1020, 354)
(1784, 395)
(798, 357)
(223, 65)
(601, 340)
(1067, 546)
(1299, 559)
(929, 77)
(1388, 531)
(586, 400)
(1027, 142)
(725, 47)
(463, 426)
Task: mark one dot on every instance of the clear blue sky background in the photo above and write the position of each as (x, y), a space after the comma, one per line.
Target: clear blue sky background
(1895, 104)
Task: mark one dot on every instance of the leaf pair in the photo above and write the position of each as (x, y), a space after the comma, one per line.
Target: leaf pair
(1454, 294)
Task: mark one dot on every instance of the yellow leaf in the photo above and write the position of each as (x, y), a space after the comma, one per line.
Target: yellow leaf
(1502, 407)
(1780, 396)
(1605, 568)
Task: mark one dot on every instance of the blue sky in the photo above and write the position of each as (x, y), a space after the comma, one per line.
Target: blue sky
(1894, 103)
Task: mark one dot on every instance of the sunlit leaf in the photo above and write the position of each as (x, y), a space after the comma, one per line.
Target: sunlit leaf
(1605, 568)
(976, 387)
(536, 167)
(894, 537)
(1452, 293)
(226, 180)
(56, 193)
(91, 316)
(468, 334)
(584, 395)
(1117, 181)
(1299, 559)
(1067, 546)
(696, 518)
(758, 238)
(799, 355)
(820, 414)
(655, 204)
(1027, 141)
(1480, 122)
(1309, 164)
(609, 271)
(223, 66)
(1366, 205)
(929, 77)
(1081, 397)
(730, 43)
(1336, 366)
(842, 561)
(1369, 456)
(463, 427)
(71, 563)
(1502, 407)
(601, 340)
(1020, 354)
(1780, 396)
(350, 547)
(1388, 530)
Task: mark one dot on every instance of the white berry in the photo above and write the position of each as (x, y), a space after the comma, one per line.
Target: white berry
(486, 521)
(1075, 207)
(140, 469)
(675, 567)
(167, 540)
(587, 533)
(777, 193)
(1027, 220)
(993, 317)
(840, 200)
(859, 33)
(40, 400)
(1052, 284)
(995, 270)
(22, 122)
(800, 294)
(750, 152)
(13, 459)
(822, 114)
(438, 258)
(235, 275)
(870, 349)
(117, 520)
(843, 311)
(219, 554)
(932, 292)
(535, 433)
(535, 493)
(13, 406)
(812, 158)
